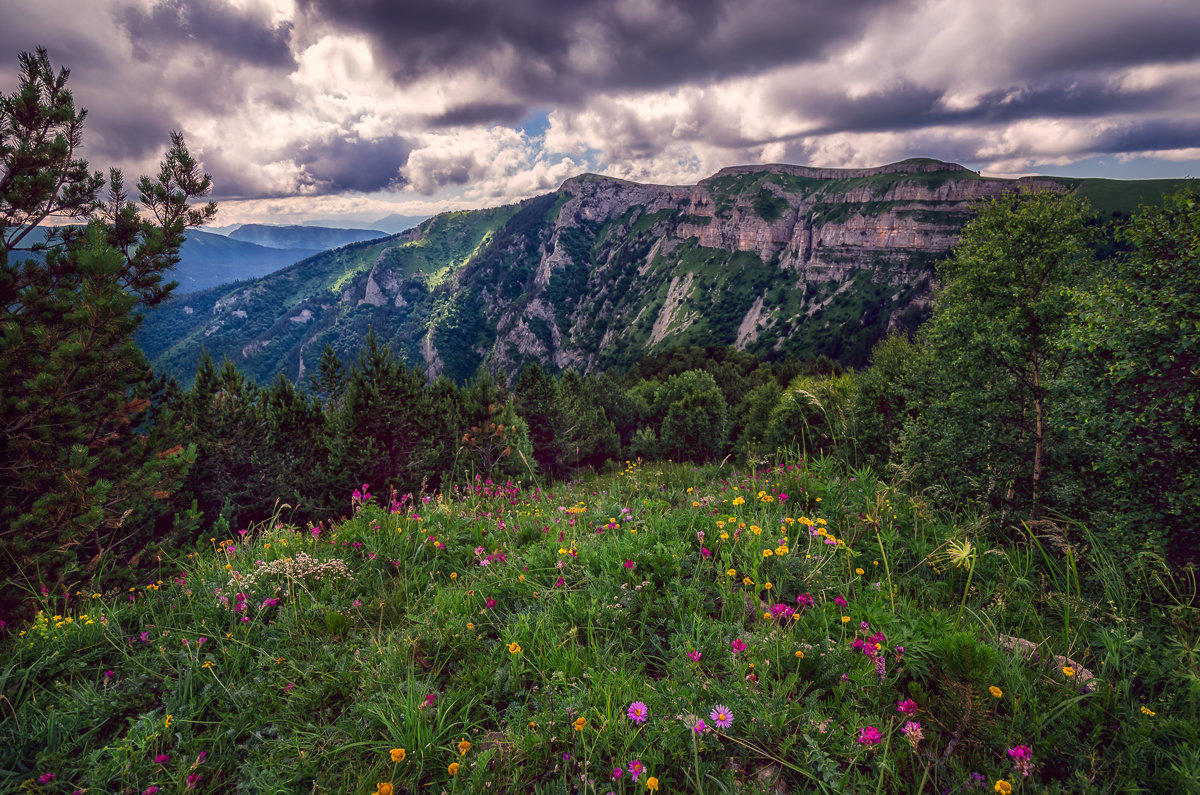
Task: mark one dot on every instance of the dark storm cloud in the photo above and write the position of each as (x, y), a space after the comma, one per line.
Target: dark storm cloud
(905, 106)
(480, 113)
(550, 50)
(336, 164)
(1123, 34)
(211, 25)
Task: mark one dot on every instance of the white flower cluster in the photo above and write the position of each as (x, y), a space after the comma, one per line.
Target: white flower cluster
(301, 567)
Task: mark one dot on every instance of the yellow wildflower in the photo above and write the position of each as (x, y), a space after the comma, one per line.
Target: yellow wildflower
(397, 754)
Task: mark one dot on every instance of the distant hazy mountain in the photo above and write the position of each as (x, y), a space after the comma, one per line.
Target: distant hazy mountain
(314, 238)
(209, 260)
(394, 224)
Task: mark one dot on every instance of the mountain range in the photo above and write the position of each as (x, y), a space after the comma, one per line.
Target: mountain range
(777, 260)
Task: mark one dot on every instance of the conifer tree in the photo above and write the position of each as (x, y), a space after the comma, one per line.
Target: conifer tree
(78, 474)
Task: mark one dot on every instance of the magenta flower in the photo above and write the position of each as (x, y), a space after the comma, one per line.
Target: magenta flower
(617, 773)
(870, 736)
(193, 780)
(705, 553)
(840, 601)
(162, 759)
(721, 716)
(805, 600)
(490, 602)
(906, 707)
(1022, 757)
(738, 645)
(694, 656)
(151, 790)
(780, 609)
(46, 778)
(636, 768)
(629, 565)
(912, 733)
(637, 713)
(700, 727)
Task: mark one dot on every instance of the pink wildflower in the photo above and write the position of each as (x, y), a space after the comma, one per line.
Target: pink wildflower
(721, 716)
(637, 713)
(162, 759)
(1022, 757)
(738, 645)
(906, 707)
(912, 733)
(694, 656)
(629, 565)
(840, 601)
(636, 768)
(700, 726)
(870, 736)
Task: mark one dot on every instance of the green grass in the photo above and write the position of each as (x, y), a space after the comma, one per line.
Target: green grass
(527, 620)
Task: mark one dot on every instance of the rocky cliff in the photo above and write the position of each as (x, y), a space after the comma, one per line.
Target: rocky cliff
(774, 259)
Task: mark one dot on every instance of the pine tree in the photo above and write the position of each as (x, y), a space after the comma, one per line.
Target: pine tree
(78, 474)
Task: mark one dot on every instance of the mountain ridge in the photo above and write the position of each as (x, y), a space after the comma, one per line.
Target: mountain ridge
(777, 260)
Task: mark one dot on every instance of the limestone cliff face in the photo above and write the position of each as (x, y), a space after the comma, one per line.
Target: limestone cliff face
(820, 239)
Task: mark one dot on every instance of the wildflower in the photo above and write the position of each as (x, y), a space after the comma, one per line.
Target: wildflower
(869, 736)
(700, 726)
(470, 627)
(463, 747)
(912, 733)
(845, 619)
(490, 602)
(731, 573)
(652, 784)
(193, 781)
(738, 645)
(1068, 671)
(747, 581)
(151, 790)
(629, 565)
(906, 707)
(452, 769)
(169, 720)
(995, 691)
(840, 601)
(799, 655)
(46, 778)
(617, 773)
(162, 759)
(1147, 711)
(805, 600)
(1003, 787)
(694, 656)
(514, 647)
(704, 553)
(383, 788)
(722, 718)
(859, 572)
(1022, 756)
(579, 723)
(636, 768)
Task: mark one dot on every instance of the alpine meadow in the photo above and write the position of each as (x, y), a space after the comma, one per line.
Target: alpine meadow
(872, 480)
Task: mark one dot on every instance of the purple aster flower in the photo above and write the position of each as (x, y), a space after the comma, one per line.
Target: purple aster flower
(700, 726)
(637, 712)
(636, 768)
(721, 716)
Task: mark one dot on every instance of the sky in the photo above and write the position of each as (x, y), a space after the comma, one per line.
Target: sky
(355, 109)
